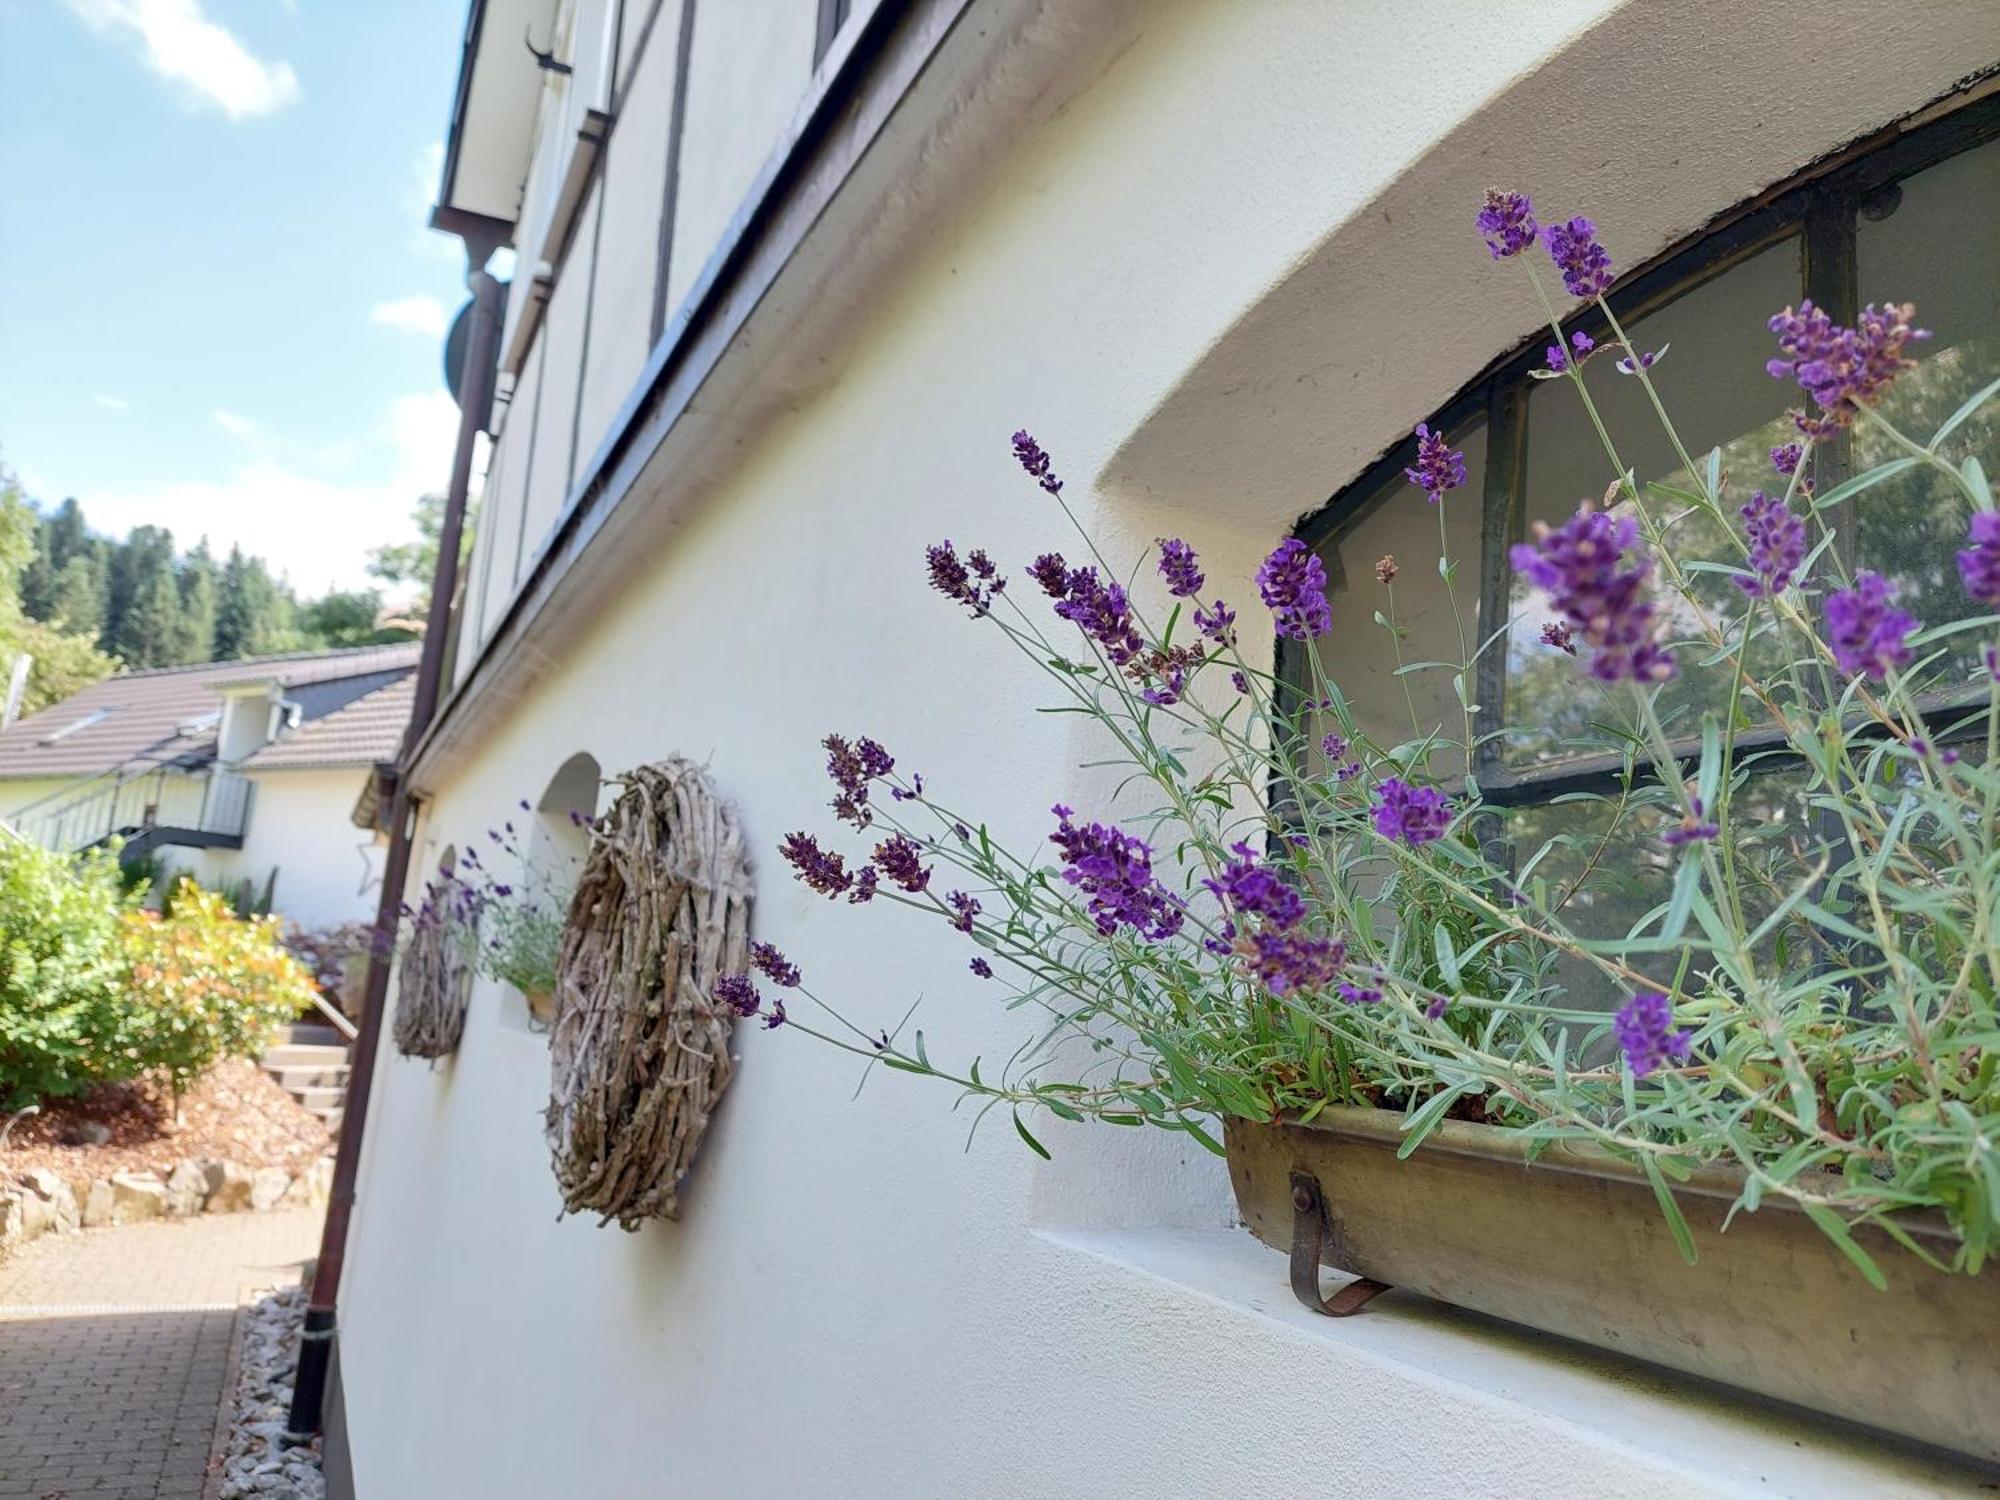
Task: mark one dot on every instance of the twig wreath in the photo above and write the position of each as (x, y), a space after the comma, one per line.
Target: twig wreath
(639, 1044)
(438, 964)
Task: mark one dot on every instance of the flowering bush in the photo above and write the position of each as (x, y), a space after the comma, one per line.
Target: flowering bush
(1297, 912)
(203, 984)
(60, 1011)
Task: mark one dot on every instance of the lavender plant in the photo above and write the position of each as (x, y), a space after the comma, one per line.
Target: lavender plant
(1296, 913)
(521, 918)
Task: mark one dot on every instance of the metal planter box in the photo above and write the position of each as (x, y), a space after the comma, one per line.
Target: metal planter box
(1574, 1244)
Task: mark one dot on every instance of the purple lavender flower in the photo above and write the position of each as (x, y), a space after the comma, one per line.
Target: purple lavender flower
(1029, 454)
(739, 994)
(780, 970)
(1558, 358)
(1347, 770)
(1359, 994)
(1507, 223)
(972, 582)
(1624, 365)
(1286, 961)
(1435, 1010)
(852, 767)
(1413, 815)
(1586, 269)
(1248, 888)
(1842, 369)
(963, 909)
(1292, 583)
(1438, 467)
(864, 887)
(1644, 1028)
(1785, 458)
(1102, 612)
(1115, 870)
(981, 967)
(1181, 569)
(1868, 634)
(776, 1017)
(821, 869)
(901, 859)
(1991, 656)
(1561, 635)
(1692, 828)
(1052, 573)
(1777, 545)
(1979, 564)
(1333, 745)
(1241, 683)
(1578, 565)
(1217, 624)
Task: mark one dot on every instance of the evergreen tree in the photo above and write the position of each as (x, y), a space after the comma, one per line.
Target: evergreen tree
(143, 627)
(195, 636)
(78, 603)
(61, 663)
(252, 614)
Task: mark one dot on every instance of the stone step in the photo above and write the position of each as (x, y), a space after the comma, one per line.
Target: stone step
(305, 1055)
(313, 1077)
(319, 1100)
(333, 1118)
(315, 1033)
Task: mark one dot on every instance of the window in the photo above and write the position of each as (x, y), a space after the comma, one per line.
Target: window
(1914, 220)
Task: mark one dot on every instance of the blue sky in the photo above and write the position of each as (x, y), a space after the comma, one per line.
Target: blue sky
(220, 310)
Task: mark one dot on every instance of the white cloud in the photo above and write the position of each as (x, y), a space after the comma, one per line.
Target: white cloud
(112, 403)
(204, 58)
(418, 314)
(315, 530)
(234, 425)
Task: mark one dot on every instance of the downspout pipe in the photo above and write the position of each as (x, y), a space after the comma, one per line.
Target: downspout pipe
(316, 1343)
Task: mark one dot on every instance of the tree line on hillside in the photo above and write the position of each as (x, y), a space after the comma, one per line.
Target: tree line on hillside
(83, 605)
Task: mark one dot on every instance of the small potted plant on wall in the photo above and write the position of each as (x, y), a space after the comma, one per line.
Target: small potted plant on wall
(522, 916)
(1774, 1157)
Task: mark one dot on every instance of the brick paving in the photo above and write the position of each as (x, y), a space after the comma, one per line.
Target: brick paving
(114, 1345)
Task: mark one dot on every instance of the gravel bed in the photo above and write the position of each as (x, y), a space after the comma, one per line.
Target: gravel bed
(255, 1459)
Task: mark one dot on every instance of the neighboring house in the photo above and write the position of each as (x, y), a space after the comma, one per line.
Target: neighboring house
(789, 273)
(235, 771)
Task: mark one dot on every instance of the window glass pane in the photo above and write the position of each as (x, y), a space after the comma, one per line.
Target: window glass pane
(1603, 885)
(1939, 247)
(1715, 387)
(1361, 656)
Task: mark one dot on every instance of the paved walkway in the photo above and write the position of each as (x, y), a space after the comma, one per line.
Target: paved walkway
(114, 1345)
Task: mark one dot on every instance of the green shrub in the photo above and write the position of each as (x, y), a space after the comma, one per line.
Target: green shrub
(204, 984)
(61, 1000)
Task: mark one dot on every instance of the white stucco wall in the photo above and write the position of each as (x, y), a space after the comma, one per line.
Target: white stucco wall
(855, 1301)
(329, 871)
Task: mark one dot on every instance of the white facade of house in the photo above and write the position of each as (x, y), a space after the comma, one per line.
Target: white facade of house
(1217, 256)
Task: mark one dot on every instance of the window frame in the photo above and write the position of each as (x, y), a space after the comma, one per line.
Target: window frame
(1820, 207)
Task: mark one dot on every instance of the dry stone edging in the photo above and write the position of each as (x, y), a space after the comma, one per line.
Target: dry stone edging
(40, 1201)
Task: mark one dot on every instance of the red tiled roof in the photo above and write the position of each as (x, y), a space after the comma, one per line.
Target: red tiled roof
(166, 714)
(365, 731)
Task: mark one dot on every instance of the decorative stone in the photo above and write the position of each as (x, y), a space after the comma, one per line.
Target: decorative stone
(267, 1187)
(187, 1189)
(47, 1204)
(312, 1187)
(87, 1133)
(13, 1218)
(136, 1197)
(97, 1205)
(229, 1187)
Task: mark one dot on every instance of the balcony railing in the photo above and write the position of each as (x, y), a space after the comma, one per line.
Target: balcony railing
(146, 806)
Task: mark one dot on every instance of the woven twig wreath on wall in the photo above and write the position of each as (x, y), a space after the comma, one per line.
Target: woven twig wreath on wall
(436, 981)
(639, 1051)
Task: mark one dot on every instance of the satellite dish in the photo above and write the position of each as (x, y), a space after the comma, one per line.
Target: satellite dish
(455, 344)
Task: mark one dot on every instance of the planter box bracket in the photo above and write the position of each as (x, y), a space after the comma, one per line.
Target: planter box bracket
(1309, 1229)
